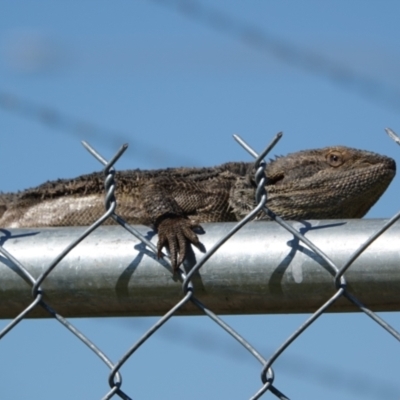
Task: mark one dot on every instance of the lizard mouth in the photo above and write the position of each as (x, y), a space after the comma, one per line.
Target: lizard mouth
(391, 164)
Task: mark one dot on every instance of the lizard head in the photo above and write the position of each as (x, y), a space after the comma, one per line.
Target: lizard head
(333, 182)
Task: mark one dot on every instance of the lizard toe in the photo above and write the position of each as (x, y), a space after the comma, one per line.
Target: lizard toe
(175, 234)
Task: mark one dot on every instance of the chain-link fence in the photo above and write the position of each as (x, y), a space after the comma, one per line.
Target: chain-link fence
(343, 296)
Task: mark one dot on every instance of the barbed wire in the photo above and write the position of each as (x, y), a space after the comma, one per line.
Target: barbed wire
(188, 287)
(56, 119)
(203, 340)
(287, 52)
(249, 34)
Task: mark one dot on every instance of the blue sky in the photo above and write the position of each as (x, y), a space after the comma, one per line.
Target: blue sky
(176, 86)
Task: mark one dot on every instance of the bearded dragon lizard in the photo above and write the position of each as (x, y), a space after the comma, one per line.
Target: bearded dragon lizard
(333, 182)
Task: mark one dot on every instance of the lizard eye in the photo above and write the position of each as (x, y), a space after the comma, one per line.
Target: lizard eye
(334, 159)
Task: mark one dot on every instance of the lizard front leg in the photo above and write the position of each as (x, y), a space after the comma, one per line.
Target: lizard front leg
(174, 228)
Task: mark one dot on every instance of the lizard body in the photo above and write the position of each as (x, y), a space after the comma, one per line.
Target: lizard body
(333, 182)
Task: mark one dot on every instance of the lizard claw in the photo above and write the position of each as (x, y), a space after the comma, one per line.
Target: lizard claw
(175, 233)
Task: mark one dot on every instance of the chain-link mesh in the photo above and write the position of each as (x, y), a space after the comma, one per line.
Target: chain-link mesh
(267, 373)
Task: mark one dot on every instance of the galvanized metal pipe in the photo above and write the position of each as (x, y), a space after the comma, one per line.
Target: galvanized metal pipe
(262, 269)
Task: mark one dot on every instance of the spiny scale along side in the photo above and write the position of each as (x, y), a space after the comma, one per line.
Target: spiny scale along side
(333, 182)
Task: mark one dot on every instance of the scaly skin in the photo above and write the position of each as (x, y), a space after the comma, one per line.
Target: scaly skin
(333, 182)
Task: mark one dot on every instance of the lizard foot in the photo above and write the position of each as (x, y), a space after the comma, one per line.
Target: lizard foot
(175, 233)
